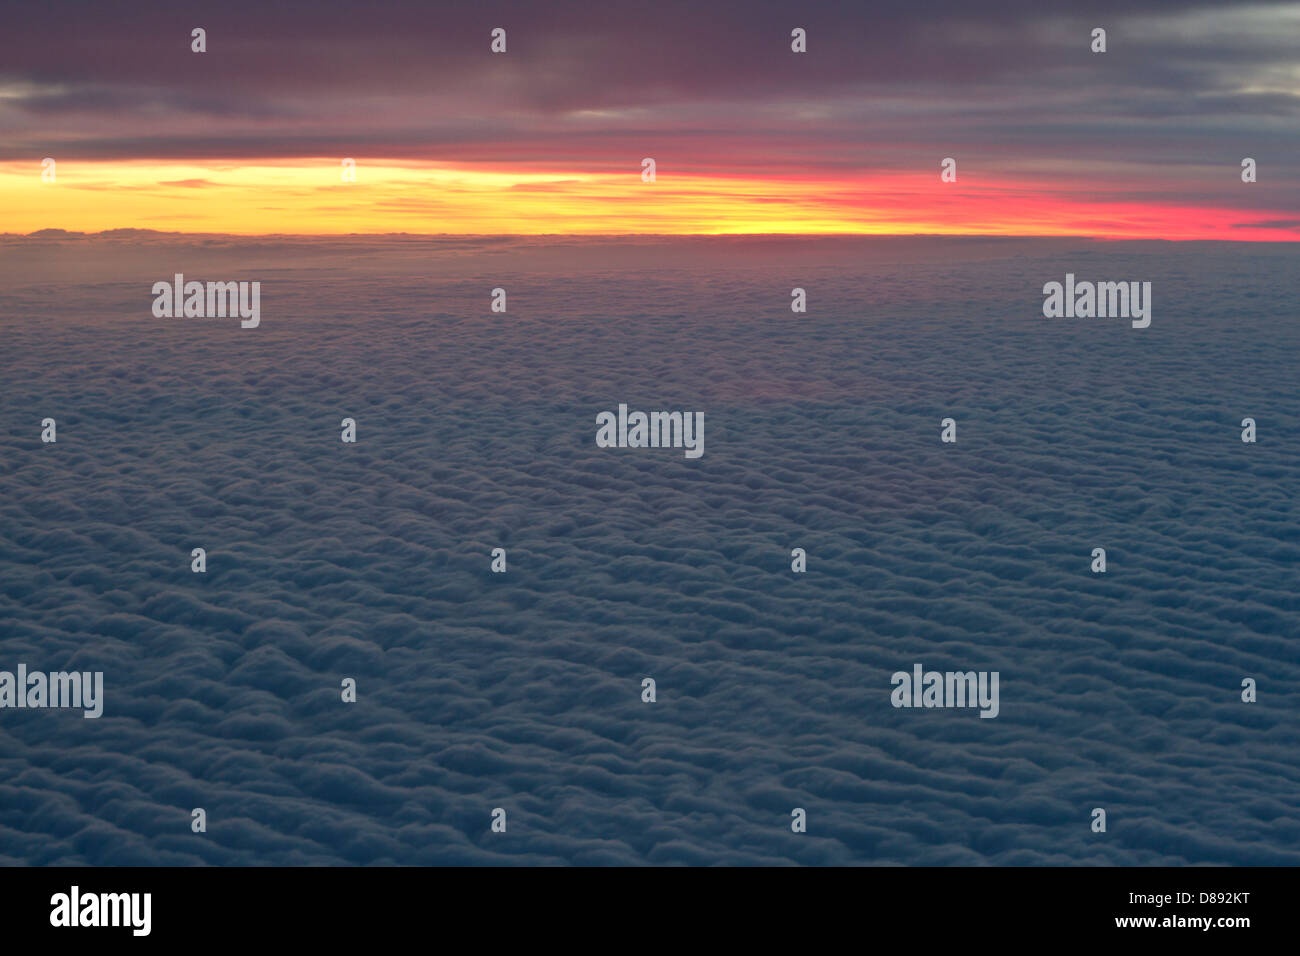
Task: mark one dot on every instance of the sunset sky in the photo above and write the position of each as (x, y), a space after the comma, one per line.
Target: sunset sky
(1145, 140)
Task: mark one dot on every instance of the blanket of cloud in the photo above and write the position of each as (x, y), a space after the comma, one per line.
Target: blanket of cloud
(523, 691)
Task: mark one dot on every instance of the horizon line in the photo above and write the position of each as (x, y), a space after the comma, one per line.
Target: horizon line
(56, 233)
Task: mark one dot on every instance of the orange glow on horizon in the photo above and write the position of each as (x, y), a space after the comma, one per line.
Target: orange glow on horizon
(310, 198)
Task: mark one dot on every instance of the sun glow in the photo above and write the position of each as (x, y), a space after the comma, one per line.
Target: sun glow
(310, 197)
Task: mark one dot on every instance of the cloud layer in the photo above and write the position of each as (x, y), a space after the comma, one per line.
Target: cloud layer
(476, 430)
